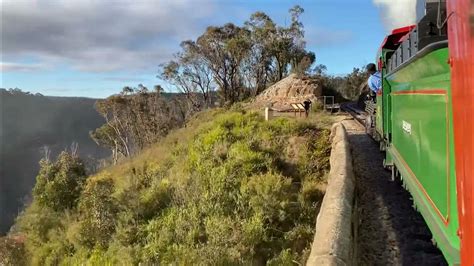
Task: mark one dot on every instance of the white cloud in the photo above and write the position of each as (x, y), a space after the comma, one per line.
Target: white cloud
(397, 13)
(99, 36)
(115, 35)
(20, 67)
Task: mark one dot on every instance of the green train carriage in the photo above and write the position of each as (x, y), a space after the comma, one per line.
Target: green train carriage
(413, 121)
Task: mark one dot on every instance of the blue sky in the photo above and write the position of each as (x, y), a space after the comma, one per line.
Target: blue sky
(85, 48)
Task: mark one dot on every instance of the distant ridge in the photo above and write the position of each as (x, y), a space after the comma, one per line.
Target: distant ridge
(28, 123)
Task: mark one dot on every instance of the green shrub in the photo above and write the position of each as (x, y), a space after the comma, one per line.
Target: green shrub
(225, 193)
(12, 252)
(54, 251)
(36, 222)
(98, 213)
(268, 195)
(315, 159)
(59, 184)
(285, 258)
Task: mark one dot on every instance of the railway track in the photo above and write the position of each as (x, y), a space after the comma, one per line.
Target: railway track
(390, 231)
(352, 109)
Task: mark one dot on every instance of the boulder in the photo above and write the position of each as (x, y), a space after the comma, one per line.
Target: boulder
(292, 89)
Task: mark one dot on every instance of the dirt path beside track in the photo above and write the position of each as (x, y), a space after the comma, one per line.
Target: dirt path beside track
(391, 231)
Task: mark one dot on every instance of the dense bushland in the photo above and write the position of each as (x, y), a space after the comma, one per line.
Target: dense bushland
(137, 117)
(343, 88)
(228, 189)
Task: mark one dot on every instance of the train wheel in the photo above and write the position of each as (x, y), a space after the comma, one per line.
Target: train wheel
(382, 146)
(368, 126)
(394, 173)
(386, 166)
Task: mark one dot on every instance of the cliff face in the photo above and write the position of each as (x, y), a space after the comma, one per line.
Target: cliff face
(28, 124)
(292, 89)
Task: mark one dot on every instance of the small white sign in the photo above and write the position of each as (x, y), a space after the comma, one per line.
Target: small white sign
(406, 127)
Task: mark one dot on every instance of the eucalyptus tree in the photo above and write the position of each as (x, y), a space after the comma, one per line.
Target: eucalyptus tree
(224, 50)
(257, 66)
(239, 61)
(135, 119)
(190, 74)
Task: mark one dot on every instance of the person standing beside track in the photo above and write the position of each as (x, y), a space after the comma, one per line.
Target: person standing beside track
(374, 81)
(307, 106)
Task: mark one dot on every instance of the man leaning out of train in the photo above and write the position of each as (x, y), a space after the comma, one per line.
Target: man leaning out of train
(375, 80)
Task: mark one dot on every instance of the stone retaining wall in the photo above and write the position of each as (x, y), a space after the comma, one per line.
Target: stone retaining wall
(335, 237)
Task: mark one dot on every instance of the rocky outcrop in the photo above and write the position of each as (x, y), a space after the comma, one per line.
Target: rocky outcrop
(292, 89)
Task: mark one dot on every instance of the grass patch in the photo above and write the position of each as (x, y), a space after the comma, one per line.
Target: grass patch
(230, 188)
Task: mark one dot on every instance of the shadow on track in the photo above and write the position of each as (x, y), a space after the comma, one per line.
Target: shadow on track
(391, 231)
